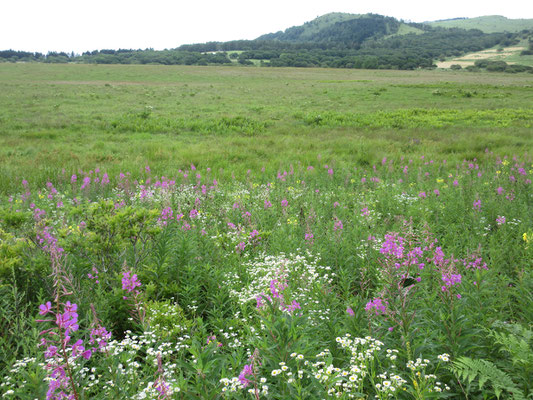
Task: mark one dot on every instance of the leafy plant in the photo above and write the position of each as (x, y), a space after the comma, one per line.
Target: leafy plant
(511, 375)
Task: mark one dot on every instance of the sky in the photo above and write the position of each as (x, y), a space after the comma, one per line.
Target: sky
(81, 25)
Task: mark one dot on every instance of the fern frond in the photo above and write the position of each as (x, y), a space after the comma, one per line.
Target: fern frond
(517, 343)
(468, 370)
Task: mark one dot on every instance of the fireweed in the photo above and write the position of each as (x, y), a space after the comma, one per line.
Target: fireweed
(130, 283)
(179, 234)
(61, 351)
(405, 262)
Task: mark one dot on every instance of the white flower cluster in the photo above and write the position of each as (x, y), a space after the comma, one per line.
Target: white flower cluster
(352, 379)
(405, 199)
(418, 364)
(150, 391)
(348, 381)
(235, 385)
(429, 381)
(9, 382)
(302, 272)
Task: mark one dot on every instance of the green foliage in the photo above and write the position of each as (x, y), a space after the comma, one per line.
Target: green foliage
(13, 219)
(108, 230)
(339, 28)
(422, 118)
(515, 340)
(166, 319)
(510, 373)
(502, 66)
(221, 126)
(11, 255)
(485, 371)
(17, 333)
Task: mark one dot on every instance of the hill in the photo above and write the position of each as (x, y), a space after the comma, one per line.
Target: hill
(351, 29)
(487, 24)
(310, 28)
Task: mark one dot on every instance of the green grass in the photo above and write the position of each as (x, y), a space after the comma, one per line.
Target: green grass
(519, 59)
(234, 118)
(405, 29)
(487, 24)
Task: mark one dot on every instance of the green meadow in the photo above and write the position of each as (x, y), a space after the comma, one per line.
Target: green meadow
(118, 117)
(233, 233)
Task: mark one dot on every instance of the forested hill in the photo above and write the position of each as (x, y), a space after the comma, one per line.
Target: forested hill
(359, 41)
(337, 40)
(349, 29)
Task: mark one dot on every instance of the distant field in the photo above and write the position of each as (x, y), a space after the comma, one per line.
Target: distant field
(119, 117)
(510, 55)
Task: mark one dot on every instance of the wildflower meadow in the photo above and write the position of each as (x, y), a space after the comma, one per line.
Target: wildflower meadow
(407, 279)
(176, 233)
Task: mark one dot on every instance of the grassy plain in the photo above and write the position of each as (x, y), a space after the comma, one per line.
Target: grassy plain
(120, 117)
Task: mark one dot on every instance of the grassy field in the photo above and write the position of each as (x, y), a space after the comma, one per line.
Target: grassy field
(488, 24)
(249, 233)
(118, 117)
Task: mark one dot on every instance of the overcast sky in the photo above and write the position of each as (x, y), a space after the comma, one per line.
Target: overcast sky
(80, 25)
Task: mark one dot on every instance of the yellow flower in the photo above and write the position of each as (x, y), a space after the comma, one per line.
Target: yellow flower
(498, 172)
(439, 180)
(505, 162)
(524, 236)
(352, 180)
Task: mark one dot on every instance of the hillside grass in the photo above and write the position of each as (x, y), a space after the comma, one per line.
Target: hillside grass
(487, 24)
(405, 29)
(78, 117)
